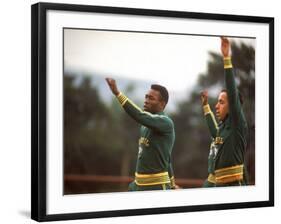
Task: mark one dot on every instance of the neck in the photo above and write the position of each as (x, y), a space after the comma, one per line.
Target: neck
(157, 112)
(224, 118)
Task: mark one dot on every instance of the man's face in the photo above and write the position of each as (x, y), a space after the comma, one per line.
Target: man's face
(222, 106)
(153, 102)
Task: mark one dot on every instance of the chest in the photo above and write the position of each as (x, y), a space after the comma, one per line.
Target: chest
(150, 137)
(223, 135)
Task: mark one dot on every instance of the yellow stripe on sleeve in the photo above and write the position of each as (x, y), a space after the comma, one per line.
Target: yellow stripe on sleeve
(227, 62)
(122, 98)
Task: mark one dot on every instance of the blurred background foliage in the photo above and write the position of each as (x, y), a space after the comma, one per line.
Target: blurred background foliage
(101, 140)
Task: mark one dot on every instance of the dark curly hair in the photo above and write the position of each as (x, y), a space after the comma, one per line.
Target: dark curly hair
(163, 92)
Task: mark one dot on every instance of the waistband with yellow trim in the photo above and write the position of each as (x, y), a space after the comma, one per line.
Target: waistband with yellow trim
(152, 179)
(229, 174)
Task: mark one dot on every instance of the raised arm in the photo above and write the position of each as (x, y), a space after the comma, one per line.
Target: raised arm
(154, 121)
(232, 91)
(209, 115)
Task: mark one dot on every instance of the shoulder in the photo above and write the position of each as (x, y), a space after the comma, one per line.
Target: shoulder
(168, 120)
(164, 118)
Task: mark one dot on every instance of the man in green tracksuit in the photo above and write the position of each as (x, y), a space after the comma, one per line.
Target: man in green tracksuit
(226, 159)
(157, 136)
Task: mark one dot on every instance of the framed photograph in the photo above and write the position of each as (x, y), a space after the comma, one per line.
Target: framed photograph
(141, 111)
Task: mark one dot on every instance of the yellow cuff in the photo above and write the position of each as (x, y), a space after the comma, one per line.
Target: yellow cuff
(122, 98)
(227, 62)
(207, 109)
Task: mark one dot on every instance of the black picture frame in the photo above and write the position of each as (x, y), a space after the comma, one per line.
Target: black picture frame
(39, 109)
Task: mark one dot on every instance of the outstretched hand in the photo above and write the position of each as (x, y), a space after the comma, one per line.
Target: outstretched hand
(112, 85)
(204, 97)
(225, 47)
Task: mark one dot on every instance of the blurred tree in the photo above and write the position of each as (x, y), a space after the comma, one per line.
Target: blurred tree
(99, 139)
(86, 123)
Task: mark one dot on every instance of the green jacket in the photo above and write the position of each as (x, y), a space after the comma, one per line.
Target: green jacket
(233, 130)
(227, 154)
(157, 136)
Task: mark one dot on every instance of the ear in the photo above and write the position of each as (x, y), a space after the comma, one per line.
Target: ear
(163, 104)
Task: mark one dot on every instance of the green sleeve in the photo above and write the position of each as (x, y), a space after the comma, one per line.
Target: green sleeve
(171, 170)
(232, 92)
(210, 120)
(172, 175)
(154, 121)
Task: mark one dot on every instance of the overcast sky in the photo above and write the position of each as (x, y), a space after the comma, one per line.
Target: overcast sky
(171, 60)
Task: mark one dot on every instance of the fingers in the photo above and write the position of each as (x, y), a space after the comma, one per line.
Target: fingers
(224, 41)
(112, 85)
(223, 38)
(110, 81)
(107, 80)
(204, 97)
(225, 47)
(204, 93)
